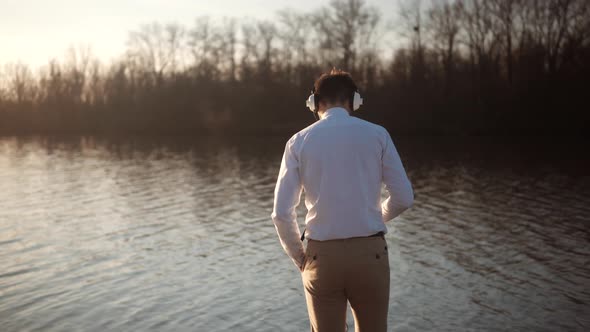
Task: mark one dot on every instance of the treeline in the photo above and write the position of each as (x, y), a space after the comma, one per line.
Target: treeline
(465, 66)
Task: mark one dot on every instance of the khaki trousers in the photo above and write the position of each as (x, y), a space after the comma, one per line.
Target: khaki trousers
(354, 270)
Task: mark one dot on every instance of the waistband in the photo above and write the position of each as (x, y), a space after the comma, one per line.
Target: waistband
(378, 234)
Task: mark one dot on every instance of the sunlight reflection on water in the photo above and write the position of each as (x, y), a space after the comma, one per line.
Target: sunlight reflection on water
(176, 236)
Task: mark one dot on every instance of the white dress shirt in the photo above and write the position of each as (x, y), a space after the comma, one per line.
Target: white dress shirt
(340, 162)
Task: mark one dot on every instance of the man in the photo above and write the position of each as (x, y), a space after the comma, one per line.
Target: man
(340, 162)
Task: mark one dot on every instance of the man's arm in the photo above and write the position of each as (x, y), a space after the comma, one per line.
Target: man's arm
(287, 195)
(397, 184)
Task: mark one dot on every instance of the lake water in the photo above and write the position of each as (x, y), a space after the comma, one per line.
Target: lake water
(175, 235)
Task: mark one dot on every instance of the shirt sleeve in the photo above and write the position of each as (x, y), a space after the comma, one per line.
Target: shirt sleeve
(397, 184)
(286, 198)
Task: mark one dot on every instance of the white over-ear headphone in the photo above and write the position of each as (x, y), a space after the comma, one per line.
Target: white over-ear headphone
(357, 101)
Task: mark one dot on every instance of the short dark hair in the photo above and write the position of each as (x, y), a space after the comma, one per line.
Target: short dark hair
(335, 86)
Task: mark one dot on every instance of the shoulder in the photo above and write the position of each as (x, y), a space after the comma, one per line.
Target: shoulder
(373, 128)
(303, 133)
(295, 141)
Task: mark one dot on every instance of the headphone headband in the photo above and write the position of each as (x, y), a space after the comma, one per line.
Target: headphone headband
(313, 101)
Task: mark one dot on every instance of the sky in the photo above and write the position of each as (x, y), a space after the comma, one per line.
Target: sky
(35, 31)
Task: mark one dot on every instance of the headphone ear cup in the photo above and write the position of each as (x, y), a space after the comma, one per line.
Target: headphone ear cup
(357, 101)
(310, 103)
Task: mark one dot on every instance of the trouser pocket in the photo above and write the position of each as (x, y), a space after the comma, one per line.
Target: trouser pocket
(309, 259)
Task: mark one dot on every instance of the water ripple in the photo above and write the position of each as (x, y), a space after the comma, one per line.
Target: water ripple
(152, 236)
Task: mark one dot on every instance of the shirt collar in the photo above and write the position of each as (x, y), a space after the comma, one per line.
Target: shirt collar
(335, 112)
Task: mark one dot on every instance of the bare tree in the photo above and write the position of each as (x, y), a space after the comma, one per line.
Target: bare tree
(478, 26)
(156, 49)
(258, 47)
(505, 12)
(344, 24)
(411, 27)
(95, 92)
(294, 31)
(553, 23)
(228, 47)
(267, 31)
(21, 83)
(76, 69)
(410, 16)
(204, 40)
(443, 26)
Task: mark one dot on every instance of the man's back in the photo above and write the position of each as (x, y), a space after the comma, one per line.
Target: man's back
(340, 164)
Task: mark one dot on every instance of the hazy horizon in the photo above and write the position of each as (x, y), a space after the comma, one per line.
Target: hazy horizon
(34, 32)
